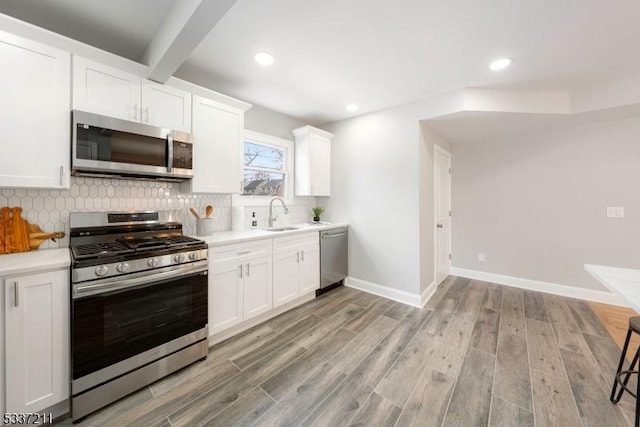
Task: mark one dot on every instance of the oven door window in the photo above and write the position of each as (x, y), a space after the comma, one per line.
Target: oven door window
(111, 327)
(95, 143)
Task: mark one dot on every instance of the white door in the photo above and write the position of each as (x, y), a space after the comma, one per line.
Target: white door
(217, 144)
(309, 268)
(257, 286)
(37, 341)
(442, 171)
(225, 294)
(100, 89)
(320, 166)
(34, 114)
(286, 276)
(166, 106)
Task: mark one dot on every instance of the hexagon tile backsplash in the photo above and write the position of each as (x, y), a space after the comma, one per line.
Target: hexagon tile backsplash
(50, 208)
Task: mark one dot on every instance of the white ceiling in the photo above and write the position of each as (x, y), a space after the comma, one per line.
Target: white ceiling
(375, 53)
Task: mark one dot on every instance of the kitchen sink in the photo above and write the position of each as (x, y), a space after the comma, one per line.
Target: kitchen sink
(281, 229)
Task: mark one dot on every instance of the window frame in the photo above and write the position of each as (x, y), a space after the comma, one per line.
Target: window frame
(272, 141)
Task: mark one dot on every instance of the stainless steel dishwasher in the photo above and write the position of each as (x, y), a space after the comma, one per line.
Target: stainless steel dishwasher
(333, 258)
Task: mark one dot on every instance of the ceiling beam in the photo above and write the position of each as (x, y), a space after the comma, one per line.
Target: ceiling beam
(185, 26)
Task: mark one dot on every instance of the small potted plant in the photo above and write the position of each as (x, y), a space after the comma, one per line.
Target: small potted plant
(317, 211)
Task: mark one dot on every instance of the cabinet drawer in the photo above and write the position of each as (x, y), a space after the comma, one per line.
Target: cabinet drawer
(295, 241)
(241, 250)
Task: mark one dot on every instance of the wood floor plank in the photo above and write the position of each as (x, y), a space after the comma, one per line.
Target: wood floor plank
(366, 300)
(404, 331)
(293, 374)
(534, 306)
(244, 411)
(336, 305)
(442, 314)
(493, 297)
(208, 405)
(441, 289)
(591, 392)
(586, 319)
(341, 405)
(506, 414)
(355, 351)
(376, 411)
(112, 411)
(615, 319)
(398, 383)
(364, 319)
(553, 401)
(485, 331)
(398, 311)
(471, 399)
(288, 318)
(512, 317)
(564, 326)
(512, 381)
(449, 355)
(298, 404)
(427, 405)
(292, 332)
(472, 299)
(313, 335)
(544, 354)
(158, 408)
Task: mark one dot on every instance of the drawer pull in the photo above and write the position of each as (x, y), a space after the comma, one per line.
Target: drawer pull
(244, 252)
(16, 294)
(241, 269)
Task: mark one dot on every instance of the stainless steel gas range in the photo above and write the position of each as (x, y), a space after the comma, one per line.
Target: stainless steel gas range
(139, 304)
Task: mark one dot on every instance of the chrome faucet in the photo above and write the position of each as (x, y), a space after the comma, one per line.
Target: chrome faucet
(271, 217)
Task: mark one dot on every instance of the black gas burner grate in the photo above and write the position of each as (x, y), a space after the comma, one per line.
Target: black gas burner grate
(98, 250)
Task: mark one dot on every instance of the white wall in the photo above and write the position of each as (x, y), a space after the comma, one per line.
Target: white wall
(267, 121)
(535, 205)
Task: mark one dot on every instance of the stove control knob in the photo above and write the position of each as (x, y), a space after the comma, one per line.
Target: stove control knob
(153, 262)
(193, 256)
(179, 258)
(101, 271)
(123, 267)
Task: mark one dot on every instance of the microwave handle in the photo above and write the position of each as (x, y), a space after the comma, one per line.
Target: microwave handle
(169, 152)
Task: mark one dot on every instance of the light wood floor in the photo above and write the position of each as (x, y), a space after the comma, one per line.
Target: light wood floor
(478, 354)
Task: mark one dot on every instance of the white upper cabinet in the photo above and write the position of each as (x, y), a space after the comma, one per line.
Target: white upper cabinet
(313, 162)
(100, 89)
(34, 114)
(217, 144)
(104, 90)
(166, 106)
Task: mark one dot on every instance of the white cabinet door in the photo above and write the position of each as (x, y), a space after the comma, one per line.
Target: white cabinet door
(286, 276)
(257, 292)
(34, 114)
(37, 341)
(217, 144)
(166, 106)
(101, 89)
(225, 295)
(320, 166)
(309, 268)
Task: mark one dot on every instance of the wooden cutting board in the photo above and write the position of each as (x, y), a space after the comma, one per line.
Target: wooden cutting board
(37, 236)
(5, 214)
(16, 233)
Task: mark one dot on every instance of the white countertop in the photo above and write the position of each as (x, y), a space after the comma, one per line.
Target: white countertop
(228, 237)
(34, 261)
(624, 282)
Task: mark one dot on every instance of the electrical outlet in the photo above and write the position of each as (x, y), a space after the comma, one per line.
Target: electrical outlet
(615, 212)
(481, 257)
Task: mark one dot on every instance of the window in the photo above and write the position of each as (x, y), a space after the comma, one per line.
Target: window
(266, 166)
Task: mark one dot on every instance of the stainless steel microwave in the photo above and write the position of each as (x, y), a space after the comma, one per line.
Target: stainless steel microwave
(119, 148)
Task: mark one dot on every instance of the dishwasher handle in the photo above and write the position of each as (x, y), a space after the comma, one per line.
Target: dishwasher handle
(330, 236)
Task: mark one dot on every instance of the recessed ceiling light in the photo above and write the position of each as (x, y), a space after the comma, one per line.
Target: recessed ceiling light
(352, 107)
(264, 58)
(500, 64)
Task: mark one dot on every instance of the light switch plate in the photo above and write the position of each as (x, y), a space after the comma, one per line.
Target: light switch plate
(615, 212)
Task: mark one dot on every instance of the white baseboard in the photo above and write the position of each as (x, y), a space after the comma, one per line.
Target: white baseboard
(384, 291)
(428, 293)
(536, 285)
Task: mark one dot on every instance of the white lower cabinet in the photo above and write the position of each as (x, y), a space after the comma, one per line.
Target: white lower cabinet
(240, 277)
(296, 266)
(36, 340)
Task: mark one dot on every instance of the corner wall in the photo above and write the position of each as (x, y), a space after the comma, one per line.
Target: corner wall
(535, 205)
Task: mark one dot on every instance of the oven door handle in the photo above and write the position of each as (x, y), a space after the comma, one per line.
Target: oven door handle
(115, 284)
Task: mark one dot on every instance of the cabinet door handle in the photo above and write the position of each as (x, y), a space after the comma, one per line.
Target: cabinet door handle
(241, 187)
(241, 267)
(298, 256)
(146, 110)
(135, 111)
(248, 270)
(16, 294)
(302, 252)
(61, 176)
